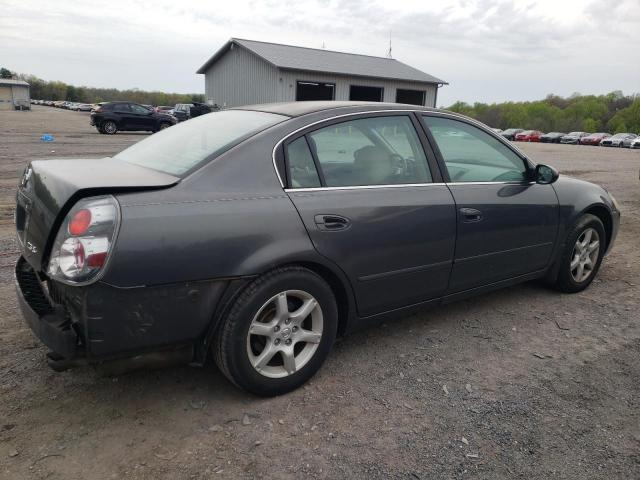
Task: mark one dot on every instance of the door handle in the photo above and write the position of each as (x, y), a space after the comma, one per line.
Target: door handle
(470, 215)
(328, 222)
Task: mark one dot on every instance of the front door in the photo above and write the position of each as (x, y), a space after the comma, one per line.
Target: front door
(507, 225)
(366, 194)
(141, 118)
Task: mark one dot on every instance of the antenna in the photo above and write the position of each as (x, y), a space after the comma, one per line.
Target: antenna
(323, 47)
(389, 52)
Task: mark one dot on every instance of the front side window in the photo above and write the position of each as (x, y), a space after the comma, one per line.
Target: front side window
(472, 155)
(370, 151)
(139, 109)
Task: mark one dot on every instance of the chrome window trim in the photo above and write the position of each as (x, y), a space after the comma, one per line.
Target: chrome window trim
(437, 112)
(283, 139)
(402, 185)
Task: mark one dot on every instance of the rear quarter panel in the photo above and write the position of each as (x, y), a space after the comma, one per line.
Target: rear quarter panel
(229, 219)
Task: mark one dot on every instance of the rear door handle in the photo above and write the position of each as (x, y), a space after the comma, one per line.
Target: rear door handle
(330, 222)
(470, 215)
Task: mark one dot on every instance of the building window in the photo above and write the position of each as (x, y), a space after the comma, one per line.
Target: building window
(366, 94)
(314, 91)
(412, 97)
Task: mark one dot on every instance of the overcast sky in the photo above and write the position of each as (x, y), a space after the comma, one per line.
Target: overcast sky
(488, 51)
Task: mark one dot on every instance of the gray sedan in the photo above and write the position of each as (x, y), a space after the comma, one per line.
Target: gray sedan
(260, 234)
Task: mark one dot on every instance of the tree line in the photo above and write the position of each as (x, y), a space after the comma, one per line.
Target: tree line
(613, 113)
(55, 90)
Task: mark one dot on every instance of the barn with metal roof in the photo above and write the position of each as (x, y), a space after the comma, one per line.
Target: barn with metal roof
(245, 72)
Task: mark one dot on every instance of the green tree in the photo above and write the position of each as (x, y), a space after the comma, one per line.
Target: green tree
(613, 112)
(5, 73)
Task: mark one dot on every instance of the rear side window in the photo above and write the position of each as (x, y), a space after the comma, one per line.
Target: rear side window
(472, 155)
(184, 147)
(302, 169)
(370, 151)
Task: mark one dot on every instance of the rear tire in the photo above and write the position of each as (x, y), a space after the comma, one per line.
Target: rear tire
(109, 127)
(582, 254)
(262, 346)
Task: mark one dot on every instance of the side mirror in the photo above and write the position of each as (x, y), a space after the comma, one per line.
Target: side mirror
(544, 174)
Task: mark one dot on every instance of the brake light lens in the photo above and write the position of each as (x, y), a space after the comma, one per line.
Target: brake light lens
(84, 241)
(80, 222)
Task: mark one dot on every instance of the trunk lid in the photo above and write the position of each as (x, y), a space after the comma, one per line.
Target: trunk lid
(49, 188)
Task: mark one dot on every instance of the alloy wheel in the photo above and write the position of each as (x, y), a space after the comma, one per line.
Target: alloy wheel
(585, 255)
(109, 127)
(285, 333)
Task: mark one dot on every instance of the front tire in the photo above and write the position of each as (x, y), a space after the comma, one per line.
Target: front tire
(582, 254)
(278, 332)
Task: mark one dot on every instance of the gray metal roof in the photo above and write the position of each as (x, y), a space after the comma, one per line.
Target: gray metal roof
(11, 81)
(289, 57)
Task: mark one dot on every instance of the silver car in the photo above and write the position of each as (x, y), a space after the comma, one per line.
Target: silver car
(619, 140)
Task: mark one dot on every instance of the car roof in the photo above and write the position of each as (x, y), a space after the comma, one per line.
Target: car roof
(296, 109)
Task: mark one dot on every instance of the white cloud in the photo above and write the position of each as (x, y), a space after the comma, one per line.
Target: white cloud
(487, 50)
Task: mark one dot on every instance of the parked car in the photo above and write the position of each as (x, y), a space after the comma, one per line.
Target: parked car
(185, 111)
(260, 235)
(497, 130)
(552, 137)
(528, 136)
(510, 133)
(635, 143)
(619, 140)
(84, 107)
(573, 137)
(111, 117)
(594, 138)
(164, 109)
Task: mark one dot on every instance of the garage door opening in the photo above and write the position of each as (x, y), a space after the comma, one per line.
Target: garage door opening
(314, 91)
(366, 94)
(412, 97)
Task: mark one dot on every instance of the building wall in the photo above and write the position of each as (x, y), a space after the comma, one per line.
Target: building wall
(20, 95)
(240, 78)
(288, 79)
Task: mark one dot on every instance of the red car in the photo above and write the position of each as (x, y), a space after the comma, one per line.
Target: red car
(528, 136)
(594, 138)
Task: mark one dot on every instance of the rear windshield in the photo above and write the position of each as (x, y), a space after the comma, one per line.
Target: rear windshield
(183, 147)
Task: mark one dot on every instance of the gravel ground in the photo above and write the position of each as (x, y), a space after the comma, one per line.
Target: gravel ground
(520, 383)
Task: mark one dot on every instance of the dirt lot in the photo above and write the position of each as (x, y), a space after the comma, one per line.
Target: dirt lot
(521, 383)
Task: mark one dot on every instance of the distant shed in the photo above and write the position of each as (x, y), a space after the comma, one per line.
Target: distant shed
(246, 72)
(14, 94)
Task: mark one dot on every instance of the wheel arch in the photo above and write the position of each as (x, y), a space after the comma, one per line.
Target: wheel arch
(340, 290)
(604, 214)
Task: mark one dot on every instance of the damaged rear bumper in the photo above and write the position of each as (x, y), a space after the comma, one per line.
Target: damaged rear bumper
(100, 322)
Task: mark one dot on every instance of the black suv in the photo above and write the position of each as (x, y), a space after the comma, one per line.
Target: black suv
(185, 111)
(113, 116)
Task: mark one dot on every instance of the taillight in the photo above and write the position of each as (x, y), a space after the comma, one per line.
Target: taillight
(81, 248)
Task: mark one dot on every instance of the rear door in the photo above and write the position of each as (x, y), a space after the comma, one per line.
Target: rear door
(374, 205)
(123, 116)
(507, 224)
